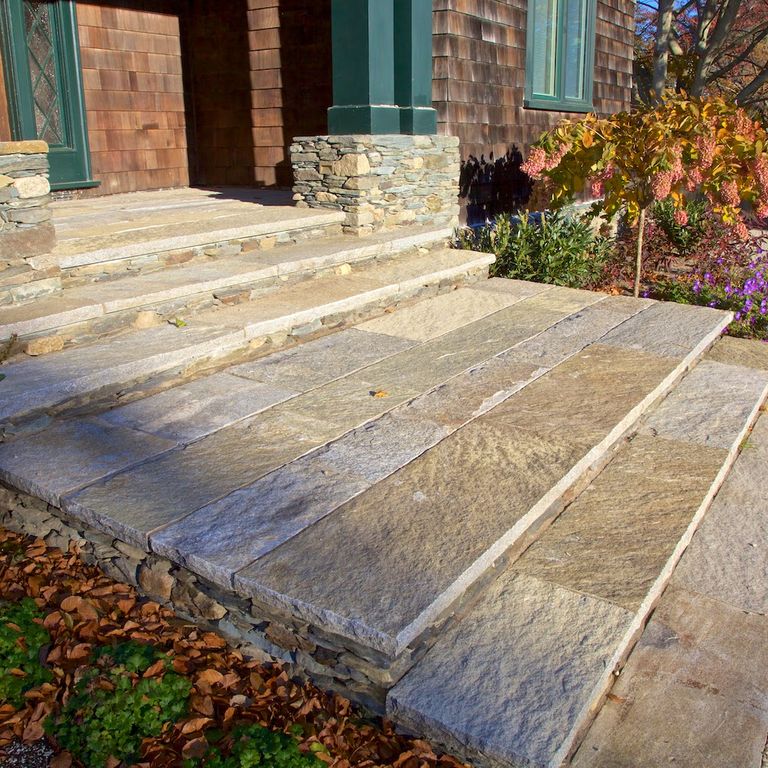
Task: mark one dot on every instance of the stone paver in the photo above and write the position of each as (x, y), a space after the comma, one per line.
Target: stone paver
(745, 352)
(669, 330)
(429, 319)
(693, 694)
(72, 454)
(615, 539)
(481, 690)
(321, 360)
(711, 405)
(198, 408)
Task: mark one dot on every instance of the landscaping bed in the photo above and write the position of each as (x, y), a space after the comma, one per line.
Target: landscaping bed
(102, 677)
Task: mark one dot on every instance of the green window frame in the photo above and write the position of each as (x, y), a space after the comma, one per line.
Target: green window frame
(560, 55)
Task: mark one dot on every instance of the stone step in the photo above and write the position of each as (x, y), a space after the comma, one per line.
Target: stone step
(63, 379)
(87, 311)
(519, 679)
(95, 249)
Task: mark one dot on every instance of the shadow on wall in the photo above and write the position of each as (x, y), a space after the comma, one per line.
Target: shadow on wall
(493, 186)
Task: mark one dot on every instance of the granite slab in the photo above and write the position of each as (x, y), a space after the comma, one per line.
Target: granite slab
(710, 405)
(747, 352)
(72, 454)
(321, 360)
(615, 539)
(511, 678)
(198, 408)
(671, 330)
(693, 693)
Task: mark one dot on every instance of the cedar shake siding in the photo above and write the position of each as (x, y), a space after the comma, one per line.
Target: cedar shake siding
(5, 124)
(479, 71)
(134, 94)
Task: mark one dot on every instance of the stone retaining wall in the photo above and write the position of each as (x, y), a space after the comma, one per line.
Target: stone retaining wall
(27, 237)
(380, 182)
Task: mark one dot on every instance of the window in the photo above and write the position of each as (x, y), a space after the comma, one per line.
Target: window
(560, 55)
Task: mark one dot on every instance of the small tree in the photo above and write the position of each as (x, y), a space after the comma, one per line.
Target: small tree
(675, 149)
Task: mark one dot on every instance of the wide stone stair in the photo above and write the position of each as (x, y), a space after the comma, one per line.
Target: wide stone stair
(460, 512)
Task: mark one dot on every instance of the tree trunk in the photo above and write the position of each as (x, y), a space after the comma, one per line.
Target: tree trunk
(661, 50)
(639, 261)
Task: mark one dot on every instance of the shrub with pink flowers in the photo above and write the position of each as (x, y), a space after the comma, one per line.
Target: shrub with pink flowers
(680, 149)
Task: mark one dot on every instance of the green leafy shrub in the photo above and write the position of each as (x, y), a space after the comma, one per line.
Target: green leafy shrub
(21, 638)
(684, 238)
(547, 248)
(112, 708)
(253, 745)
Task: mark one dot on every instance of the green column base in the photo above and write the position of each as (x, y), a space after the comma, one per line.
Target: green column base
(418, 120)
(363, 119)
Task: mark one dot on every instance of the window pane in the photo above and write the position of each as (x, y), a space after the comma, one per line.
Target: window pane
(545, 47)
(575, 48)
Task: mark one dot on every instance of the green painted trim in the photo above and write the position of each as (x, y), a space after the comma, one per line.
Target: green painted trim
(64, 185)
(416, 121)
(413, 66)
(363, 119)
(560, 103)
(69, 161)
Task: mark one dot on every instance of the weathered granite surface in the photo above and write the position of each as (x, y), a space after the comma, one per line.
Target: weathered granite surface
(728, 557)
(710, 406)
(478, 691)
(746, 352)
(321, 360)
(72, 454)
(670, 330)
(614, 540)
(693, 693)
(198, 408)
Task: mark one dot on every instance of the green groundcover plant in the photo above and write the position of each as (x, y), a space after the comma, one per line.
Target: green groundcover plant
(554, 248)
(22, 638)
(116, 704)
(252, 745)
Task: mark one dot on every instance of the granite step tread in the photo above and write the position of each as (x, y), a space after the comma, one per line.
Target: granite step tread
(102, 245)
(390, 577)
(140, 500)
(88, 302)
(33, 385)
(518, 681)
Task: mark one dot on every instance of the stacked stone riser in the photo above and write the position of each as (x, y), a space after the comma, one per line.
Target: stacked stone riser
(152, 262)
(380, 182)
(26, 233)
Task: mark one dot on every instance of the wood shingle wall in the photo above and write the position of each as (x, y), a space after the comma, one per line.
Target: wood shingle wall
(479, 71)
(134, 94)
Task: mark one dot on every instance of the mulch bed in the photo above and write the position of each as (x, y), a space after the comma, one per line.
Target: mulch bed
(85, 609)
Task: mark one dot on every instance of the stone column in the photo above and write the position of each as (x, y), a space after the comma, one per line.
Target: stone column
(363, 68)
(413, 66)
(27, 236)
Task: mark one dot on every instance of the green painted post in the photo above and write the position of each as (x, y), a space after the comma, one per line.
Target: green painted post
(363, 68)
(413, 66)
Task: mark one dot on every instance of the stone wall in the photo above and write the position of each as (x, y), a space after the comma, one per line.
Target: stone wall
(27, 237)
(380, 182)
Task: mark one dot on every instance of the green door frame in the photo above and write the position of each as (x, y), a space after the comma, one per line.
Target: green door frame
(70, 162)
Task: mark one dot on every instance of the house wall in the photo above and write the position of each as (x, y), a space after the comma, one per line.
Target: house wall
(134, 94)
(479, 71)
(290, 68)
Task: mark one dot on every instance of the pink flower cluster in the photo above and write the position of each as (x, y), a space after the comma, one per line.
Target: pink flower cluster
(706, 146)
(760, 169)
(661, 184)
(695, 177)
(539, 161)
(597, 183)
(743, 125)
(681, 217)
(729, 191)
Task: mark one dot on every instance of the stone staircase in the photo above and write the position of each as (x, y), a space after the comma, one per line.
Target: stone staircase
(460, 512)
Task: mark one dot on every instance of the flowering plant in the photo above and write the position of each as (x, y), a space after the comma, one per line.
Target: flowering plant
(676, 149)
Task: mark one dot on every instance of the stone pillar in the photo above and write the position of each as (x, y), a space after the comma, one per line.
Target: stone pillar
(380, 182)
(27, 236)
(363, 68)
(413, 66)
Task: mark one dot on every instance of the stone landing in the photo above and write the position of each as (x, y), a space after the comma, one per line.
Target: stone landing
(347, 504)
